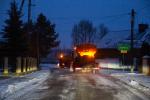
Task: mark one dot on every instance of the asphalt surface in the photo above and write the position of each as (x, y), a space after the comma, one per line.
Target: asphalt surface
(64, 85)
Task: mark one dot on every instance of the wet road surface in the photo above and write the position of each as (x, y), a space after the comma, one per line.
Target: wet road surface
(63, 85)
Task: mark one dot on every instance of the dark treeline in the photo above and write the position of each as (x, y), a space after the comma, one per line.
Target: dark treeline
(29, 39)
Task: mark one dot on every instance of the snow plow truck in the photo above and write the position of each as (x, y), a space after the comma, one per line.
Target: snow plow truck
(84, 58)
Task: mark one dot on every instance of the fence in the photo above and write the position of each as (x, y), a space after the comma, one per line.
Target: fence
(18, 65)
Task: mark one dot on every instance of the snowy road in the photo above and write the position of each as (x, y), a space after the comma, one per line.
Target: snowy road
(63, 85)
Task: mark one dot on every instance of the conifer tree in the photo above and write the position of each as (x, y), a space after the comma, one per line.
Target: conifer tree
(15, 39)
(45, 35)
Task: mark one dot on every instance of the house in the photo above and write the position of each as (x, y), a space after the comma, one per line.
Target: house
(108, 46)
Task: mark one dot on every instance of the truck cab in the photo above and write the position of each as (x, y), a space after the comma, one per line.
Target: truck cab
(84, 58)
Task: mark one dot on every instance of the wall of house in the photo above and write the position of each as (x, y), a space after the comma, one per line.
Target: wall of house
(113, 63)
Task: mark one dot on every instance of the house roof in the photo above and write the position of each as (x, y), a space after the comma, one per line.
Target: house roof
(112, 39)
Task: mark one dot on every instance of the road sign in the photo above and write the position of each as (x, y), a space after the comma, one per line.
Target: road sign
(124, 51)
(124, 47)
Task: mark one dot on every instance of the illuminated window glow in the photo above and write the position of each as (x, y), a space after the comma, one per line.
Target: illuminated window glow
(87, 53)
(61, 55)
(86, 50)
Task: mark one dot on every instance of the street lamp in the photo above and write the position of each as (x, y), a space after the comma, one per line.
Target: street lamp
(75, 48)
(61, 55)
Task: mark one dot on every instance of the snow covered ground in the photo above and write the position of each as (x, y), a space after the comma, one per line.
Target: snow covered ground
(64, 85)
(48, 66)
(17, 86)
(136, 80)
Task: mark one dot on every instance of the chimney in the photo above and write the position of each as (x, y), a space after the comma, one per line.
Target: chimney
(143, 27)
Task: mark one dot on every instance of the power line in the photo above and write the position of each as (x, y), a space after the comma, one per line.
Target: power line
(120, 30)
(115, 19)
(147, 6)
(102, 19)
(123, 30)
(140, 11)
(96, 18)
(3, 13)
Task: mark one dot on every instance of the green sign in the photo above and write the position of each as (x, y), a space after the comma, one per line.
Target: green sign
(124, 51)
(124, 47)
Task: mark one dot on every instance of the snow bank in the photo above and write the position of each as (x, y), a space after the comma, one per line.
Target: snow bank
(15, 86)
(135, 80)
(134, 83)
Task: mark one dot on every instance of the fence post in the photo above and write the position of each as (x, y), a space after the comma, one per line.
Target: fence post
(24, 64)
(146, 65)
(5, 72)
(34, 64)
(18, 68)
(31, 64)
(27, 64)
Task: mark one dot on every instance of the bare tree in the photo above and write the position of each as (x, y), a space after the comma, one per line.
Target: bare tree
(84, 32)
(102, 31)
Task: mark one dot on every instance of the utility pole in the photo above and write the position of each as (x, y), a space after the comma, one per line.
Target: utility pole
(38, 50)
(22, 4)
(132, 38)
(29, 15)
(29, 8)
(37, 38)
(29, 11)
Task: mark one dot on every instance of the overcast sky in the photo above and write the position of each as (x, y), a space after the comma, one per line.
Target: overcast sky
(66, 13)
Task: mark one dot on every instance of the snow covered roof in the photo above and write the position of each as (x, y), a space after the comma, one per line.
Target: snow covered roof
(142, 37)
(112, 39)
(146, 37)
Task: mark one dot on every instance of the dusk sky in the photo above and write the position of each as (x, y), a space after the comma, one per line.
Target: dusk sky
(66, 13)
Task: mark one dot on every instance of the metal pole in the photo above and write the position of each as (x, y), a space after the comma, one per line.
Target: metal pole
(22, 4)
(123, 62)
(29, 11)
(38, 50)
(132, 38)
